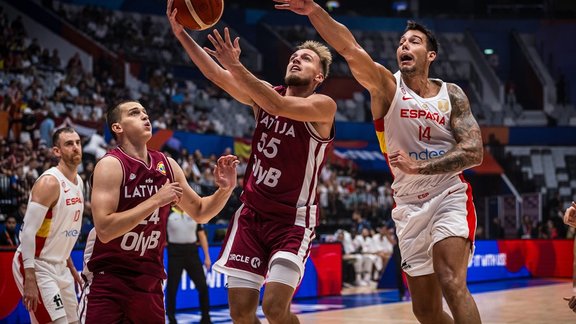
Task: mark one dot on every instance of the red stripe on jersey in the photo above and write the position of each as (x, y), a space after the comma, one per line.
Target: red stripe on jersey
(40, 241)
(379, 124)
(471, 211)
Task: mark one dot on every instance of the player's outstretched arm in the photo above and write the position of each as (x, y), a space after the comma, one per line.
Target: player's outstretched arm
(205, 208)
(107, 186)
(315, 108)
(371, 75)
(204, 62)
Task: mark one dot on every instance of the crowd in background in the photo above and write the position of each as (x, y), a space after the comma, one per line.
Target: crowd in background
(39, 93)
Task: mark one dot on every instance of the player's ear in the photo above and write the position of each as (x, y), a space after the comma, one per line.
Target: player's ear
(56, 151)
(319, 78)
(431, 56)
(116, 128)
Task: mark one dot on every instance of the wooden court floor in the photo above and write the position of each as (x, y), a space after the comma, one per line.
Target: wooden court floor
(534, 305)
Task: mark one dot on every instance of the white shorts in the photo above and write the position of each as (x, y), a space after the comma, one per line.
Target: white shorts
(56, 287)
(420, 223)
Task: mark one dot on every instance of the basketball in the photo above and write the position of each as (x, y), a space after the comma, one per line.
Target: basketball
(198, 14)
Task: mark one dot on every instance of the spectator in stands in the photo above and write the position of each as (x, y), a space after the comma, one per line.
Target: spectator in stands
(384, 242)
(46, 129)
(21, 211)
(496, 230)
(526, 229)
(96, 146)
(365, 245)
(359, 223)
(510, 93)
(9, 236)
(28, 126)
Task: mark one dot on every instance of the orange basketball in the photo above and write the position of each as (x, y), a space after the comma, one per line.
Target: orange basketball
(198, 14)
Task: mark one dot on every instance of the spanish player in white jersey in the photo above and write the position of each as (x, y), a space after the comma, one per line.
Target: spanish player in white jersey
(42, 267)
(429, 136)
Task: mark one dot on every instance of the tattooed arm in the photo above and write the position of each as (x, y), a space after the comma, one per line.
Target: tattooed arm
(468, 151)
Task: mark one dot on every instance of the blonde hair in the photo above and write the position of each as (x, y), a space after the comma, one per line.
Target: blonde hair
(322, 51)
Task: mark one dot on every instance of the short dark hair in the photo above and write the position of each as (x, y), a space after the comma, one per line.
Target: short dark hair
(113, 114)
(56, 135)
(432, 42)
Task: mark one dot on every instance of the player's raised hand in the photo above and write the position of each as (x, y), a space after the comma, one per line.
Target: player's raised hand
(225, 172)
(301, 7)
(226, 51)
(177, 28)
(171, 192)
(570, 215)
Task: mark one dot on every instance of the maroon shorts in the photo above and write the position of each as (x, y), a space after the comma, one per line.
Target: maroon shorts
(253, 241)
(126, 298)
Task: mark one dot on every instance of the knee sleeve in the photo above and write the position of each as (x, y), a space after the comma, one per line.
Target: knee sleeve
(235, 282)
(284, 271)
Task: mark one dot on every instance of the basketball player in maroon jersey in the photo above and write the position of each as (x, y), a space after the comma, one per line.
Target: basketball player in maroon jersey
(269, 237)
(429, 136)
(133, 188)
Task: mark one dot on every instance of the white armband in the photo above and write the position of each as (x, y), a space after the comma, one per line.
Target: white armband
(35, 214)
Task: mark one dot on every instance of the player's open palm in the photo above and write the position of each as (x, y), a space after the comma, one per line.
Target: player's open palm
(570, 215)
(226, 51)
(301, 7)
(171, 192)
(225, 172)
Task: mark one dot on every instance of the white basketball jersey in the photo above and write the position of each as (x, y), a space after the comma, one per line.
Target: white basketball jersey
(421, 128)
(62, 223)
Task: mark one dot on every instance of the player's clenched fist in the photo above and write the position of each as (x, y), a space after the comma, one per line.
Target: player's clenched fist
(570, 215)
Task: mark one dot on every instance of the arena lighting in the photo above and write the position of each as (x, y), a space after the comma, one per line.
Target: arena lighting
(488, 51)
(332, 4)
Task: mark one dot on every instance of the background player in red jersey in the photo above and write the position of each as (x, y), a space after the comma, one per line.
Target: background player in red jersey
(413, 116)
(42, 268)
(269, 236)
(133, 188)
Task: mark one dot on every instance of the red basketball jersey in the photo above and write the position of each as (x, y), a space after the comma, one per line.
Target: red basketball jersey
(286, 161)
(141, 249)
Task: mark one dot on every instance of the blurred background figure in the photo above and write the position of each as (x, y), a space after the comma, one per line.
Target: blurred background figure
(184, 237)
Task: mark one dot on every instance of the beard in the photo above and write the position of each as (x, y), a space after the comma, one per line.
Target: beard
(295, 81)
(408, 70)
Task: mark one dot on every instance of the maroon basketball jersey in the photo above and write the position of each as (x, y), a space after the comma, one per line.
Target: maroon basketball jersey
(140, 250)
(286, 161)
